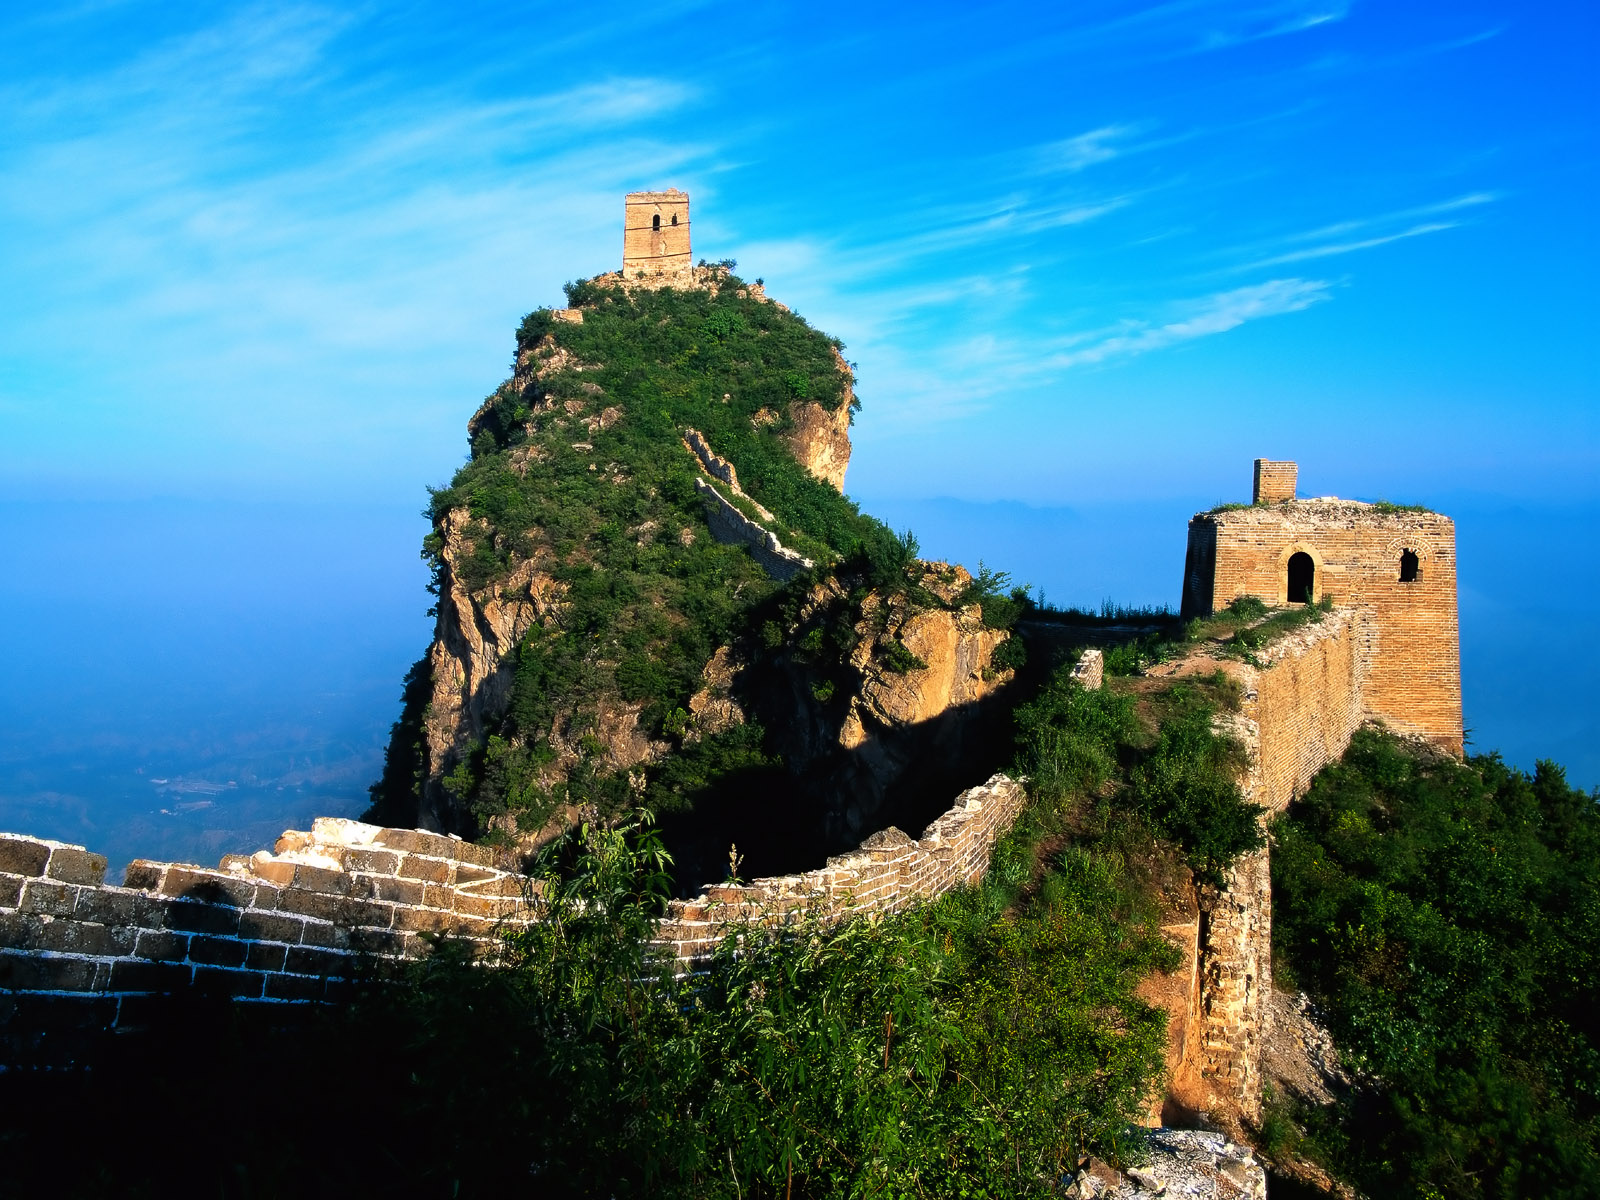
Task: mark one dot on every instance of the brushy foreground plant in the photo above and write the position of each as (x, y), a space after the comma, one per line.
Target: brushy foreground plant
(978, 1046)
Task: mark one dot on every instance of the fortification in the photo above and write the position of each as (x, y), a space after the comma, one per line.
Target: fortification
(80, 958)
(1397, 564)
(655, 235)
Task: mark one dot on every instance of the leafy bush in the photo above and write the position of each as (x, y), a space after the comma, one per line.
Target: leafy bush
(1187, 787)
(896, 657)
(1069, 739)
(979, 1046)
(1446, 916)
(1078, 746)
(1010, 655)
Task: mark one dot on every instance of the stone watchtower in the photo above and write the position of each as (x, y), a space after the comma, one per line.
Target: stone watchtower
(1397, 564)
(655, 234)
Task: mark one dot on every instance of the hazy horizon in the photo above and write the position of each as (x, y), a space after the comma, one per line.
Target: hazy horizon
(202, 676)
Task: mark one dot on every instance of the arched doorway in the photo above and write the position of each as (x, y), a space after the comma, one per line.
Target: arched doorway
(1302, 578)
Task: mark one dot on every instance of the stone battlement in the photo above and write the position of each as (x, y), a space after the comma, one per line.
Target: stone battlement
(1396, 564)
(79, 957)
(887, 873)
(655, 235)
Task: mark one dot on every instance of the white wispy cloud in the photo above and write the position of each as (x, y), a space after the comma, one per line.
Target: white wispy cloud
(1241, 24)
(1341, 228)
(1333, 248)
(284, 258)
(1084, 149)
(1380, 230)
(1209, 315)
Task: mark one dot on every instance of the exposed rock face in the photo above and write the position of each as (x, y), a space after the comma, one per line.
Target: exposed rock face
(892, 727)
(1182, 1163)
(472, 656)
(1298, 1056)
(820, 439)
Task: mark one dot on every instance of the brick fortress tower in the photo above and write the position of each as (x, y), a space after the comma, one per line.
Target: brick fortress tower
(1397, 564)
(655, 235)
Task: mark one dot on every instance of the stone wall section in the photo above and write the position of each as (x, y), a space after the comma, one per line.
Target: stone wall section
(1304, 703)
(79, 957)
(728, 524)
(887, 873)
(1414, 683)
(79, 954)
(732, 528)
(1300, 709)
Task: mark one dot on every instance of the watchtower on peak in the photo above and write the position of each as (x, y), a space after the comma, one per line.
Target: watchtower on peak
(1397, 564)
(655, 234)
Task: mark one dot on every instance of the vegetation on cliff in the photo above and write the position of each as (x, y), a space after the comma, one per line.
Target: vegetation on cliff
(578, 477)
(1445, 916)
(978, 1046)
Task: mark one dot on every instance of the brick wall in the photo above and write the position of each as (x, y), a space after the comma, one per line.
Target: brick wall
(1302, 706)
(887, 873)
(649, 249)
(732, 528)
(79, 956)
(1274, 481)
(1414, 681)
(1299, 711)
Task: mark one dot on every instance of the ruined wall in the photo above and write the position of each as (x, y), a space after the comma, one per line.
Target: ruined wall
(887, 873)
(1235, 977)
(1274, 481)
(1359, 555)
(732, 527)
(655, 234)
(1299, 710)
(79, 957)
(1304, 703)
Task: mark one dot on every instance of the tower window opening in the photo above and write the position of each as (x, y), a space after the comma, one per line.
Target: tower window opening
(1302, 578)
(674, 218)
(655, 221)
(1410, 568)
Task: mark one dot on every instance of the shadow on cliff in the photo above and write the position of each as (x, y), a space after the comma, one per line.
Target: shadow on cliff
(826, 800)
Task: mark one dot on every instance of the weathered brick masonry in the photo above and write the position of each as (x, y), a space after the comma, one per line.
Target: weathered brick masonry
(887, 873)
(79, 956)
(655, 234)
(1301, 706)
(1398, 565)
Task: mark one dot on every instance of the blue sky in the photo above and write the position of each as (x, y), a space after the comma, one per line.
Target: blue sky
(260, 262)
(1077, 251)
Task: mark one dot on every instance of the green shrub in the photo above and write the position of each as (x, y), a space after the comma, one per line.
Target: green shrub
(1446, 917)
(979, 1046)
(896, 657)
(1069, 738)
(1187, 788)
(1010, 655)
